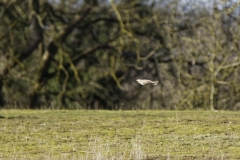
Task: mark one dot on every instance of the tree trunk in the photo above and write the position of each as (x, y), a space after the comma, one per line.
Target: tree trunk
(1, 93)
(50, 53)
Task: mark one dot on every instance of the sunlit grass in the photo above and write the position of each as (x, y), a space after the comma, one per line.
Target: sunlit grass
(46, 134)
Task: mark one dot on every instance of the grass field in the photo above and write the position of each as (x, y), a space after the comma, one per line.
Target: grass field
(46, 134)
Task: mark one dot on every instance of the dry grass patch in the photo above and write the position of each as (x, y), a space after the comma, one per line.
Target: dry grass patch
(27, 134)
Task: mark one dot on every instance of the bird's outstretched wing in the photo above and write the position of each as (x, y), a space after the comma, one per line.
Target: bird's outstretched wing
(146, 81)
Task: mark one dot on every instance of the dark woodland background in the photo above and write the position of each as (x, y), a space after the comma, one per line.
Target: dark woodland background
(73, 54)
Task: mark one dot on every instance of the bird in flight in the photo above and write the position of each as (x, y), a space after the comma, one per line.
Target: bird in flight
(146, 81)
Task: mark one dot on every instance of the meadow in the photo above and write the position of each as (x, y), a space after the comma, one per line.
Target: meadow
(98, 134)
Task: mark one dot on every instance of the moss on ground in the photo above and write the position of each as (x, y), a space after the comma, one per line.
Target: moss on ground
(46, 134)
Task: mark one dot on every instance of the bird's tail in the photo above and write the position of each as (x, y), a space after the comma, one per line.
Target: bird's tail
(155, 82)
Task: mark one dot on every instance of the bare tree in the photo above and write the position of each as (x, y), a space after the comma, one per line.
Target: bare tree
(88, 54)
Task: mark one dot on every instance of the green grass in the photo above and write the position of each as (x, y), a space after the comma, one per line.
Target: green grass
(45, 134)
